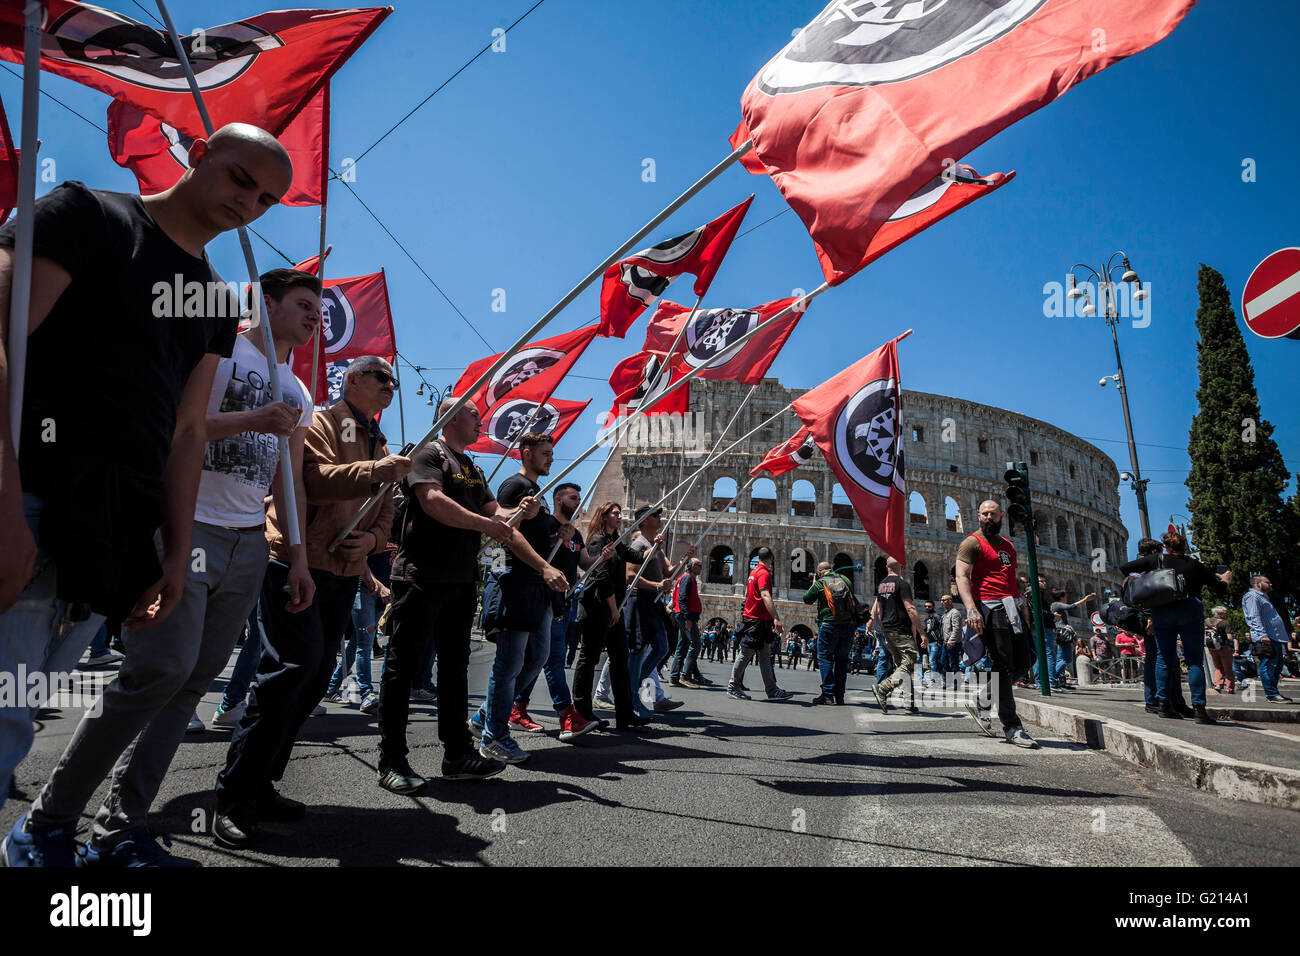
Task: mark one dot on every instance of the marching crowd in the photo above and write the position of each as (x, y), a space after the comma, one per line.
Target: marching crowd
(177, 533)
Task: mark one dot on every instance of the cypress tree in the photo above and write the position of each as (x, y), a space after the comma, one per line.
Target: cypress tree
(1237, 475)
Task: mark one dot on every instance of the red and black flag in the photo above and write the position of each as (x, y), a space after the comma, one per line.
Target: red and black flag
(631, 381)
(312, 263)
(631, 284)
(713, 335)
(789, 455)
(551, 358)
(262, 70)
(158, 154)
(865, 104)
(8, 168)
(355, 320)
(506, 420)
(856, 419)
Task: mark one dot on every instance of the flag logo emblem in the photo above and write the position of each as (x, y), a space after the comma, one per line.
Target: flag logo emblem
(525, 364)
(509, 419)
(870, 42)
(119, 46)
(804, 452)
(866, 438)
(642, 284)
(338, 321)
(671, 250)
(716, 330)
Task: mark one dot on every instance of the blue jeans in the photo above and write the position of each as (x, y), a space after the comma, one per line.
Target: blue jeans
(935, 653)
(688, 647)
(834, 642)
(1049, 644)
(31, 643)
(1270, 669)
(359, 645)
(952, 659)
(99, 643)
(552, 670)
(1064, 658)
(250, 655)
(1150, 687)
(654, 645)
(1186, 619)
(507, 668)
(884, 663)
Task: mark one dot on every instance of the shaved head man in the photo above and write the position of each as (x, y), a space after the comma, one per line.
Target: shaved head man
(900, 624)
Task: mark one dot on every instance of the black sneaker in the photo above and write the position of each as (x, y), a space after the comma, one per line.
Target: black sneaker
(1153, 707)
(234, 826)
(471, 767)
(278, 808)
(882, 699)
(399, 778)
(822, 699)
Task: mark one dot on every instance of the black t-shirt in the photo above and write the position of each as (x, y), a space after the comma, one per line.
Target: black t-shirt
(431, 552)
(537, 531)
(566, 558)
(105, 374)
(891, 592)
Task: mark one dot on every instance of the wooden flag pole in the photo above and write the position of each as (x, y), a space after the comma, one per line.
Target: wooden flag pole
(20, 294)
(555, 310)
(272, 365)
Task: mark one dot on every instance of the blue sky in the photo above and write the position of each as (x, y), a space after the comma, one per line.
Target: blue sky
(526, 171)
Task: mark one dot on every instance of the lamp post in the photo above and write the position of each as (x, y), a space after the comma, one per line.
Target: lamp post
(436, 395)
(1106, 293)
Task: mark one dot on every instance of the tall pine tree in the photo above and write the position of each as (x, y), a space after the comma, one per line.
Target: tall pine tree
(1238, 475)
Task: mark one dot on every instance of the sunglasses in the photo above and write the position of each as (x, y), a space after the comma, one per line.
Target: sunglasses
(384, 377)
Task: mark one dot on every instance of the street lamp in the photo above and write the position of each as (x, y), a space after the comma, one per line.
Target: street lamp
(1106, 295)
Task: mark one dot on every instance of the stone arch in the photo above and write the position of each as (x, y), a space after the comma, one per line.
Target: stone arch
(879, 570)
(921, 581)
(722, 566)
(803, 499)
(1062, 533)
(952, 515)
(843, 564)
(724, 489)
(1079, 539)
(803, 567)
(917, 511)
(762, 497)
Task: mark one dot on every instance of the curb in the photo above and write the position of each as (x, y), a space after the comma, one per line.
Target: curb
(1174, 759)
(1256, 715)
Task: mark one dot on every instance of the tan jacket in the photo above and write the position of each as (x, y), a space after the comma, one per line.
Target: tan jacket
(337, 476)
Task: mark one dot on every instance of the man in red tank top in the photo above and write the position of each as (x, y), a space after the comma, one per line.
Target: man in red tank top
(986, 580)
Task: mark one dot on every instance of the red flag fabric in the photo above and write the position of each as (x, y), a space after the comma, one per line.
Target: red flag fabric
(158, 154)
(856, 419)
(789, 455)
(631, 380)
(312, 263)
(508, 416)
(357, 321)
(262, 70)
(551, 358)
(864, 105)
(712, 333)
(8, 168)
(633, 283)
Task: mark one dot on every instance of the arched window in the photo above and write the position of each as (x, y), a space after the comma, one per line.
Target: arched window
(722, 565)
(724, 489)
(840, 504)
(1062, 533)
(753, 560)
(762, 497)
(844, 565)
(878, 572)
(917, 511)
(802, 569)
(1080, 542)
(1094, 538)
(803, 499)
(921, 581)
(952, 515)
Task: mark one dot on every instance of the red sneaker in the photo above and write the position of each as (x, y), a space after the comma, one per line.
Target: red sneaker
(519, 720)
(573, 724)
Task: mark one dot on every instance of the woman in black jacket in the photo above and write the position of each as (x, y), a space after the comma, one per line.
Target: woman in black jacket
(602, 624)
(1183, 619)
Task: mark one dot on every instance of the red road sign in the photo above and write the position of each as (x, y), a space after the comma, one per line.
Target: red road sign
(1270, 303)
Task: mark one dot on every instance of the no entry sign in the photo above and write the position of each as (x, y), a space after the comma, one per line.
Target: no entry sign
(1270, 303)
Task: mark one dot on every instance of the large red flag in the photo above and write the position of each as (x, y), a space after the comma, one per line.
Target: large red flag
(867, 102)
(856, 419)
(551, 358)
(508, 416)
(789, 455)
(261, 70)
(631, 382)
(633, 283)
(357, 321)
(159, 154)
(712, 334)
(312, 263)
(8, 168)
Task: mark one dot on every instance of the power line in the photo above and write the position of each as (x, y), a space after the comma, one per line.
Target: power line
(51, 96)
(149, 13)
(446, 81)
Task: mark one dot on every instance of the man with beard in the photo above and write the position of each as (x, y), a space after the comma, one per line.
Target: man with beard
(986, 580)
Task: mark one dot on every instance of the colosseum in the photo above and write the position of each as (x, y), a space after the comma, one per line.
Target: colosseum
(956, 453)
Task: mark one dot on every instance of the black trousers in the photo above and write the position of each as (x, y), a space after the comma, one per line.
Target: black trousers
(443, 614)
(298, 657)
(598, 635)
(1011, 655)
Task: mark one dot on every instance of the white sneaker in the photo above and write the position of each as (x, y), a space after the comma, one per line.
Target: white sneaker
(602, 703)
(197, 726)
(112, 657)
(354, 696)
(1018, 737)
(370, 703)
(228, 719)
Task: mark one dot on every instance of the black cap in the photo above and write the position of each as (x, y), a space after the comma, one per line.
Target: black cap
(645, 510)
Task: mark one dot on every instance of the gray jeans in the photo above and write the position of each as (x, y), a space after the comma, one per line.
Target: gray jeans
(747, 654)
(167, 670)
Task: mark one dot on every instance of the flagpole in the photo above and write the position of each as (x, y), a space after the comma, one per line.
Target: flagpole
(555, 310)
(20, 296)
(514, 442)
(268, 340)
(318, 336)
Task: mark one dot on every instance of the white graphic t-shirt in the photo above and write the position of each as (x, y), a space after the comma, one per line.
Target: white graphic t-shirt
(237, 471)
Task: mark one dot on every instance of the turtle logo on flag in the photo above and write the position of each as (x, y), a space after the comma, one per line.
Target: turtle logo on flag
(523, 365)
(118, 46)
(714, 331)
(866, 438)
(870, 42)
(671, 250)
(337, 319)
(642, 284)
(648, 374)
(803, 454)
(508, 420)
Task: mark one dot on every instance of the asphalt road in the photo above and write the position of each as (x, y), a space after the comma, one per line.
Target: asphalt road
(718, 782)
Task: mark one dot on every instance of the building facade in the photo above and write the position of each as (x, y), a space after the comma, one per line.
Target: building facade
(955, 454)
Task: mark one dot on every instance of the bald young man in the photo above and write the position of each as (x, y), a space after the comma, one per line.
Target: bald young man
(113, 430)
